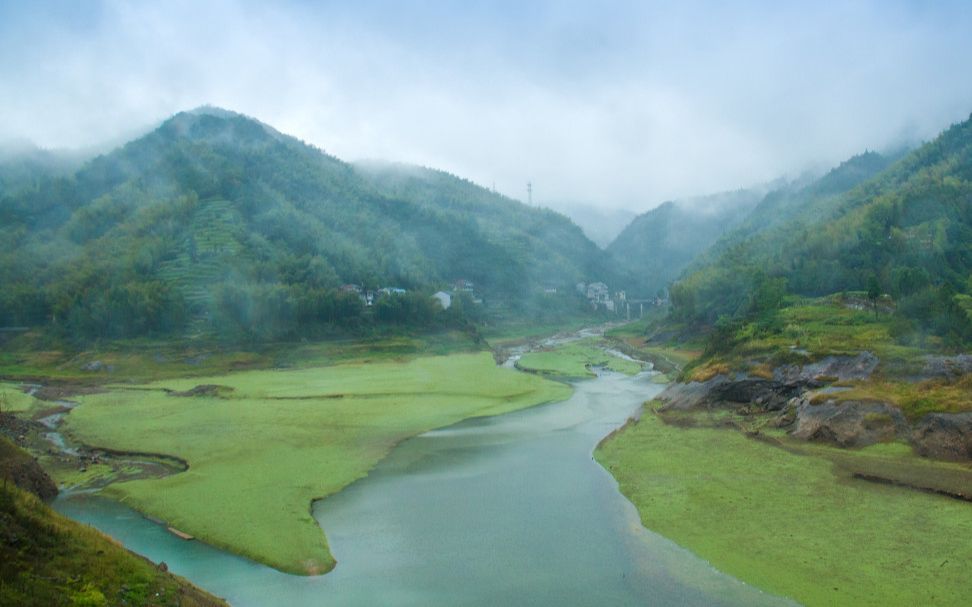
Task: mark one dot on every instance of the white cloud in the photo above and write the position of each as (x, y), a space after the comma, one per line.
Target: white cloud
(618, 104)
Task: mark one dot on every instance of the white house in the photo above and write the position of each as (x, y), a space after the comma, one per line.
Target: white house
(444, 299)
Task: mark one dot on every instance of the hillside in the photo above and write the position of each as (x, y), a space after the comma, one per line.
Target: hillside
(215, 223)
(542, 246)
(656, 246)
(819, 352)
(904, 234)
(47, 560)
(806, 199)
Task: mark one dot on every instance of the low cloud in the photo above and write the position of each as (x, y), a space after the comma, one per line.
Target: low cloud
(618, 104)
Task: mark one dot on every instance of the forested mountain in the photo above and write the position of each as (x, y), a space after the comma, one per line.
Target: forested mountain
(215, 222)
(807, 199)
(536, 246)
(656, 246)
(905, 232)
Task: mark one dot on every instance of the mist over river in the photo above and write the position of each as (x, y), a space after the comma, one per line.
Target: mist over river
(507, 510)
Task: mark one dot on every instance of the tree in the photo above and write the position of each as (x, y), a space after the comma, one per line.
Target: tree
(873, 291)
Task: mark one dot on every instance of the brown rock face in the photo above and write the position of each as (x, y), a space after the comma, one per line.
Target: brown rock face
(849, 423)
(944, 436)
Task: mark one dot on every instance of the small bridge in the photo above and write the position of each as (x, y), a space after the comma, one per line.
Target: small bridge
(629, 303)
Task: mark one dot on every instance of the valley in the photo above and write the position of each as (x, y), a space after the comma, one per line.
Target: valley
(318, 373)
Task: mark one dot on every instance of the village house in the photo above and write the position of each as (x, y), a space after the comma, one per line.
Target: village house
(444, 299)
(598, 293)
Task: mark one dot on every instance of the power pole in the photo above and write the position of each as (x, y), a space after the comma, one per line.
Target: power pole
(530, 193)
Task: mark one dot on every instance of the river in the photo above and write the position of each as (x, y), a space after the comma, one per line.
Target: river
(507, 510)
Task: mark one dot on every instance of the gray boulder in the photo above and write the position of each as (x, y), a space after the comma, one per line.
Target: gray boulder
(946, 366)
(691, 395)
(944, 436)
(831, 368)
(849, 423)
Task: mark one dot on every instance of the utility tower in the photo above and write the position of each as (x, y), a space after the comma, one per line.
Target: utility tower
(530, 193)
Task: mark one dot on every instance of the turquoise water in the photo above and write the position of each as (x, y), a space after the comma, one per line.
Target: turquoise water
(510, 510)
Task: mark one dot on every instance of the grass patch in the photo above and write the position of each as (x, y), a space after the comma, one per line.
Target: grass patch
(895, 463)
(71, 476)
(669, 358)
(791, 524)
(915, 399)
(633, 329)
(707, 371)
(14, 400)
(509, 333)
(575, 359)
(820, 328)
(804, 331)
(145, 360)
(284, 438)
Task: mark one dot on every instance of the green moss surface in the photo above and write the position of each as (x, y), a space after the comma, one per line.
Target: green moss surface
(793, 524)
(13, 399)
(575, 359)
(281, 439)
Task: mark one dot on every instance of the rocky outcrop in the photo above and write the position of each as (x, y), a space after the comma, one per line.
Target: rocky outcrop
(944, 436)
(207, 390)
(810, 414)
(690, 395)
(848, 423)
(829, 369)
(763, 394)
(949, 367)
(722, 392)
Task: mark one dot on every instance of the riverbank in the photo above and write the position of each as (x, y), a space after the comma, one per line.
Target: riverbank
(577, 360)
(46, 559)
(822, 462)
(264, 447)
(790, 523)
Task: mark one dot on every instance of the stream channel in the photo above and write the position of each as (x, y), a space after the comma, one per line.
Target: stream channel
(506, 510)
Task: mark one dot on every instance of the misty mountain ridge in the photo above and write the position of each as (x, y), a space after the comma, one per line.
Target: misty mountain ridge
(679, 236)
(602, 225)
(657, 245)
(216, 221)
(804, 199)
(898, 224)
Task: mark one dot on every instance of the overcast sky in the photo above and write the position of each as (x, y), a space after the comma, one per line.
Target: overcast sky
(620, 104)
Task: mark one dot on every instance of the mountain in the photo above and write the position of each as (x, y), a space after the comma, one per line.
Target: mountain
(601, 225)
(215, 222)
(23, 165)
(899, 228)
(656, 246)
(543, 246)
